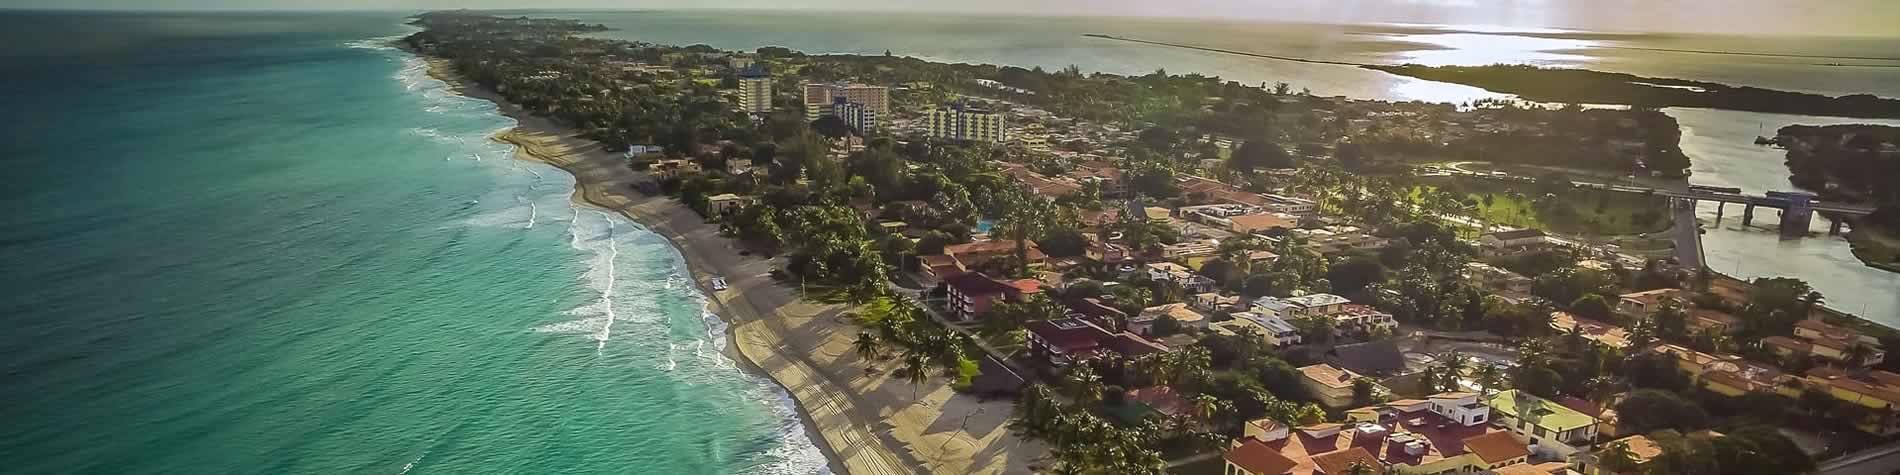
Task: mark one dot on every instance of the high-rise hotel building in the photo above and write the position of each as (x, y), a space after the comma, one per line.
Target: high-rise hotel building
(755, 90)
(960, 122)
(820, 98)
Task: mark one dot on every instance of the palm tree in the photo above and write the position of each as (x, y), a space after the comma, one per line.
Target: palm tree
(916, 367)
(1205, 407)
(866, 346)
(1452, 366)
(1811, 300)
(1488, 377)
(1857, 353)
(1087, 385)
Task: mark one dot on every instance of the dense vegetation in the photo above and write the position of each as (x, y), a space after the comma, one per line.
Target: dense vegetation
(1596, 87)
(1850, 162)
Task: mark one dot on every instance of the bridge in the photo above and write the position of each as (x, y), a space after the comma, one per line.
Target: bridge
(1797, 208)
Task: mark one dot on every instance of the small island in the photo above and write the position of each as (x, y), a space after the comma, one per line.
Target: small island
(1854, 163)
(1596, 87)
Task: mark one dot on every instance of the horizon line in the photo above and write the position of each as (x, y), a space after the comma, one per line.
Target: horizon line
(1449, 27)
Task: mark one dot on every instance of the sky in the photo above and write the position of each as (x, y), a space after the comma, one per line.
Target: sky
(1774, 17)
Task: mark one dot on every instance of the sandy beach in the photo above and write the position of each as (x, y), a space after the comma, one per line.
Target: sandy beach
(866, 422)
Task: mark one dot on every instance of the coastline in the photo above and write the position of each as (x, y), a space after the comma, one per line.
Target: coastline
(865, 422)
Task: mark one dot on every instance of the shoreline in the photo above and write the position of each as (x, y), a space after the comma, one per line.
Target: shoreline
(803, 347)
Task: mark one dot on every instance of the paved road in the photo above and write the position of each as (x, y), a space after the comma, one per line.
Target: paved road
(1688, 233)
(1883, 460)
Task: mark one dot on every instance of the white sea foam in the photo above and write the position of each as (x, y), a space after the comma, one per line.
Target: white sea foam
(532, 213)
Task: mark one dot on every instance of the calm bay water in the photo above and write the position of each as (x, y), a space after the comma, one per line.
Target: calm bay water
(265, 243)
(268, 244)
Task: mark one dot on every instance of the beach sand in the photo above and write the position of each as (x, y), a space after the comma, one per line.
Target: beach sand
(866, 422)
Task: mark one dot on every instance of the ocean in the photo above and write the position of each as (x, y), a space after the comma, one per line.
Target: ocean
(268, 243)
(271, 244)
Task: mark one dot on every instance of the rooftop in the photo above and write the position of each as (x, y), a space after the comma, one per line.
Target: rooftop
(1255, 456)
(1496, 447)
(1329, 375)
(1544, 413)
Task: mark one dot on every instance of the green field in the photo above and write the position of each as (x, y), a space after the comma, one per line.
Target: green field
(1587, 212)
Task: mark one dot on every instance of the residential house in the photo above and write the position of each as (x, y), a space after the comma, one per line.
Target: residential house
(1063, 341)
(1878, 391)
(1360, 319)
(1701, 319)
(1555, 430)
(1494, 278)
(1254, 223)
(972, 293)
(1836, 343)
(720, 204)
(1179, 275)
(1609, 335)
(1729, 375)
(673, 168)
(1274, 331)
(1517, 239)
(1332, 385)
(1641, 304)
(1290, 205)
(1192, 252)
(976, 254)
(939, 267)
(1213, 302)
(1143, 323)
(1440, 436)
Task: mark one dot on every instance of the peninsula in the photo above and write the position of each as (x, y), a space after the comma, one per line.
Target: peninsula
(1596, 87)
(965, 268)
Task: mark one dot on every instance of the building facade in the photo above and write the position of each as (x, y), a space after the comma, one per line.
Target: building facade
(820, 96)
(959, 122)
(755, 90)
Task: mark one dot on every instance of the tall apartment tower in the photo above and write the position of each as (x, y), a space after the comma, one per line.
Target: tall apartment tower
(820, 97)
(859, 116)
(755, 90)
(960, 122)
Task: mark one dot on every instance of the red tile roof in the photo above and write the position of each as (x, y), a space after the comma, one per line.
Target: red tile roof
(1338, 462)
(1497, 447)
(1258, 458)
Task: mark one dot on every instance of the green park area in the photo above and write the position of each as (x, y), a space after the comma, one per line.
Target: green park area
(1556, 209)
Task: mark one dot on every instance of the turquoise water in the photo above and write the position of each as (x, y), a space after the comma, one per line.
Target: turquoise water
(267, 244)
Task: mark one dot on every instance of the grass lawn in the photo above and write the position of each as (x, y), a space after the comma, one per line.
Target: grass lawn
(1572, 212)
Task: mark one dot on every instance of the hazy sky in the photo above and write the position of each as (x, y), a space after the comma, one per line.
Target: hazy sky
(1834, 17)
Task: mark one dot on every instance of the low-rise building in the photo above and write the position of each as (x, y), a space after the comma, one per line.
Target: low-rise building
(1878, 391)
(1274, 331)
(1412, 436)
(1609, 335)
(1840, 344)
(1513, 240)
(1143, 323)
(1064, 341)
(1332, 385)
(1641, 304)
(972, 293)
(1179, 275)
(976, 254)
(722, 204)
(1555, 430)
